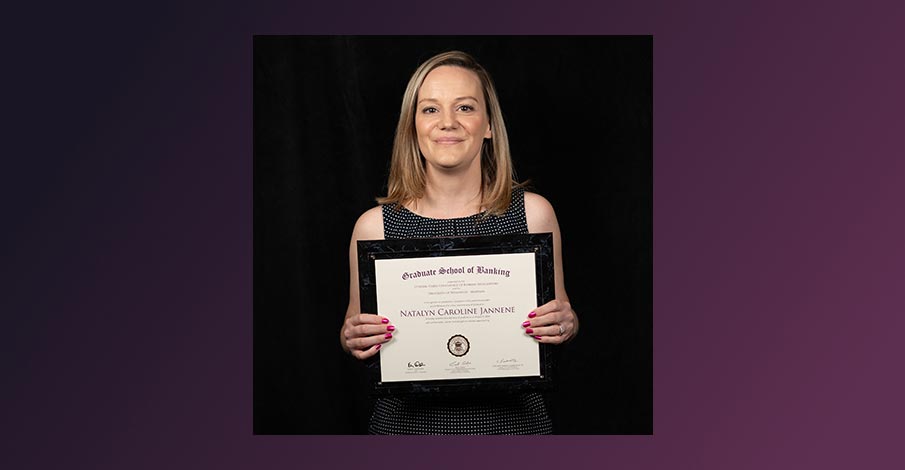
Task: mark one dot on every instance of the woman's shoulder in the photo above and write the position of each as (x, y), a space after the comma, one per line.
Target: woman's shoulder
(537, 204)
(369, 225)
(539, 213)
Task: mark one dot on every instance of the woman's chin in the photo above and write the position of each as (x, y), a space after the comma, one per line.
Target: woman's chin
(450, 163)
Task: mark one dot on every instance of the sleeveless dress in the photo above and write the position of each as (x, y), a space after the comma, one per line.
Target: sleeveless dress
(500, 413)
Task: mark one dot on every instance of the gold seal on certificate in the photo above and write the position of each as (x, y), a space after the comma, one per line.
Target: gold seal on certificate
(457, 304)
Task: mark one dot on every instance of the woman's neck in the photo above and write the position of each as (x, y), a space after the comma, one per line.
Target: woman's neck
(449, 196)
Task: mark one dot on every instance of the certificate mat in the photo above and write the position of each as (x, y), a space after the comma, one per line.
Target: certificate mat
(458, 304)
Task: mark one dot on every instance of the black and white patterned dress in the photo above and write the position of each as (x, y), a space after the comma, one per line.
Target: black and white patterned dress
(502, 413)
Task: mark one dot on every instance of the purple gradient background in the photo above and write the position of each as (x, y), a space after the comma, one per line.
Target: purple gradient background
(779, 247)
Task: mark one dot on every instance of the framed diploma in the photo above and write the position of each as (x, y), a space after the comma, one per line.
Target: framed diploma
(458, 304)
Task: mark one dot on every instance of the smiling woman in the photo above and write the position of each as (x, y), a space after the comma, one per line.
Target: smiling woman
(339, 121)
(451, 174)
(452, 123)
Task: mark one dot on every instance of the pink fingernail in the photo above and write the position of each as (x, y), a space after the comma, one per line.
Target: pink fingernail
(526, 323)
(537, 337)
(529, 331)
(384, 320)
(532, 315)
(391, 328)
(388, 335)
(378, 347)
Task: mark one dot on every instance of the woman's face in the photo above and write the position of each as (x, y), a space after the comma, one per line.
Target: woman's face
(451, 118)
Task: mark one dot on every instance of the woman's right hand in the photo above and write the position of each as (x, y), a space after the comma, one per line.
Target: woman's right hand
(363, 334)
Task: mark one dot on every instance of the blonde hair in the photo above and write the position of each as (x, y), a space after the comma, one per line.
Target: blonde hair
(407, 179)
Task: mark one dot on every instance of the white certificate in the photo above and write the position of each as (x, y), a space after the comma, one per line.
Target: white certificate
(457, 317)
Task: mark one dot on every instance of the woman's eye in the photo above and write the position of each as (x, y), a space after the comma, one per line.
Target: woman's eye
(429, 110)
(467, 108)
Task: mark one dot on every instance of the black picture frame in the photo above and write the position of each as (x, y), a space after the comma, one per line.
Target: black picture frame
(541, 244)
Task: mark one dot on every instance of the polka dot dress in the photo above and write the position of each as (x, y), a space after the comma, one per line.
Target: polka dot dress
(503, 413)
(403, 223)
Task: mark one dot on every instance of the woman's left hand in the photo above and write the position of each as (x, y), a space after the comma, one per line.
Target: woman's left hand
(553, 323)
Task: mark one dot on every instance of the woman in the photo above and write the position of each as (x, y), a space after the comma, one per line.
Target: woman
(451, 174)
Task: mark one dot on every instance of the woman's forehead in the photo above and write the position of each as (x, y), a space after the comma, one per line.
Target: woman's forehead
(450, 82)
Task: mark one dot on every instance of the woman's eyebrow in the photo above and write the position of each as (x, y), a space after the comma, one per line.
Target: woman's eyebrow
(461, 98)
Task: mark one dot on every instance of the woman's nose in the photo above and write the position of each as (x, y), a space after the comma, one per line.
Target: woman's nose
(448, 120)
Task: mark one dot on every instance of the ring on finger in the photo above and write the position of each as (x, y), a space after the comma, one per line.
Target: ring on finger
(561, 330)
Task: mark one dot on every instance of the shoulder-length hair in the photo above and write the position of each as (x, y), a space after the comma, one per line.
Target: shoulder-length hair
(407, 179)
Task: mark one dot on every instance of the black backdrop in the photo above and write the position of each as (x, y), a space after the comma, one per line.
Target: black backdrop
(578, 111)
